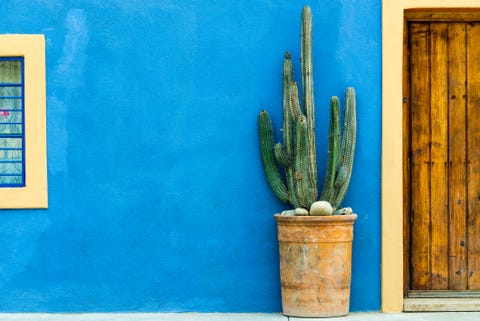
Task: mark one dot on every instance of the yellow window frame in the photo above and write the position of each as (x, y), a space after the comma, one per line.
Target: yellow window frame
(35, 192)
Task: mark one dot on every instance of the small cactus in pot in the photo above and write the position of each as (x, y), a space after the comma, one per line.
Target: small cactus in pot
(291, 167)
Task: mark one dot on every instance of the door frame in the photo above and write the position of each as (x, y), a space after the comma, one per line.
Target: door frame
(392, 142)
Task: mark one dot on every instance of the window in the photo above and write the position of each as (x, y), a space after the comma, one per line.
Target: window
(23, 163)
(12, 160)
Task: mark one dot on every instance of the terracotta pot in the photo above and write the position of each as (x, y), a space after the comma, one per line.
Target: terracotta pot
(315, 264)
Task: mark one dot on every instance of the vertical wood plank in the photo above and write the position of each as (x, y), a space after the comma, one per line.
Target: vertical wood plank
(420, 156)
(439, 156)
(457, 156)
(473, 154)
(406, 159)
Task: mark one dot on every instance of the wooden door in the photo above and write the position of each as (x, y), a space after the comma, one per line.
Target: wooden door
(442, 155)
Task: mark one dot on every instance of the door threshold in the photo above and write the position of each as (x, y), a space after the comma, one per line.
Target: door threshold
(444, 304)
(443, 294)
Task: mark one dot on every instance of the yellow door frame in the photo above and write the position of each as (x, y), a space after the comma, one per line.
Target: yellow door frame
(392, 141)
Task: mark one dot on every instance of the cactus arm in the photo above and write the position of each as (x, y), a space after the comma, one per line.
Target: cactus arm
(301, 163)
(282, 156)
(272, 171)
(287, 118)
(308, 97)
(292, 189)
(294, 102)
(342, 176)
(288, 130)
(286, 161)
(292, 175)
(347, 148)
(333, 151)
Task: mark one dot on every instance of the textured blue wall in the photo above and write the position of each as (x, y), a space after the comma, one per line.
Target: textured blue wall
(158, 200)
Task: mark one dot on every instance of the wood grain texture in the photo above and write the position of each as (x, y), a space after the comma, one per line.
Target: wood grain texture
(439, 155)
(457, 156)
(420, 156)
(406, 160)
(473, 157)
(442, 155)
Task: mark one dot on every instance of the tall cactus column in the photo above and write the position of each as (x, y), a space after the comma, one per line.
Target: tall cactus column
(307, 94)
(289, 130)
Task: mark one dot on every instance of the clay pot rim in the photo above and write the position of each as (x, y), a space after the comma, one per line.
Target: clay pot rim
(326, 218)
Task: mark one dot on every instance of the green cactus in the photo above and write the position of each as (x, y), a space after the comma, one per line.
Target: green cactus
(347, 149)
(268, 156)
(289, 129)
(281, 155)
(307, 94)
(296, 183)
(302, 176)
(333, 151)
(340, 154)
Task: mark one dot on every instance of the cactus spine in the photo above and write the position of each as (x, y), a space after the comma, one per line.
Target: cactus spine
(297, 183)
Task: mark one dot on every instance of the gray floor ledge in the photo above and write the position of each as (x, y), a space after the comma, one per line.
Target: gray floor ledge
(354, 316)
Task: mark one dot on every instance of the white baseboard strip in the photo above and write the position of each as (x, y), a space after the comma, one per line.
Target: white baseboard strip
(142, 317)
(356, 316)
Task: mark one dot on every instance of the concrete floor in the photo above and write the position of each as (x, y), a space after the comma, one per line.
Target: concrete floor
(437, 316)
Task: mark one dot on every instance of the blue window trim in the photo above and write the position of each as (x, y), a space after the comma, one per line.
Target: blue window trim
(22, 123)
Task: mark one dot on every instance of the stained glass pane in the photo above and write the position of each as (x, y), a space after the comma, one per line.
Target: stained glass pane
(11, 71)
(12, 169)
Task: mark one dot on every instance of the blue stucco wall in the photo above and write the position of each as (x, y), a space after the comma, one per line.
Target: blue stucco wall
(157, 197)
